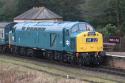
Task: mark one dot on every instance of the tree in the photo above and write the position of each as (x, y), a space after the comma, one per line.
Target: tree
(118, 6)
(101, 13)
(7, 10)
(109, 30)
(98, 12)
(24, 5)
(94, 11)
(69, 9)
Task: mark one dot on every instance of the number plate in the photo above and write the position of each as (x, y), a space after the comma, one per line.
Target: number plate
(91, 39)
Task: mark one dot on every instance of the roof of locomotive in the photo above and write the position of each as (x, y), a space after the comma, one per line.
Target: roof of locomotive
(50, 26)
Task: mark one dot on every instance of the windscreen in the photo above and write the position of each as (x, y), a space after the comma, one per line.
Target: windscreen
(82, 27)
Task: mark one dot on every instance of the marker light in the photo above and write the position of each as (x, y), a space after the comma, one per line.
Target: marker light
(84, 35)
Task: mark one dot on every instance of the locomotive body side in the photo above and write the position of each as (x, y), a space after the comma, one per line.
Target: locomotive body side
(67, 41)
(57, 37)
(48, 36)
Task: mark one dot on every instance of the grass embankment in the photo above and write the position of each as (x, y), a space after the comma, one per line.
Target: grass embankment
(13, 72)
(20, 70)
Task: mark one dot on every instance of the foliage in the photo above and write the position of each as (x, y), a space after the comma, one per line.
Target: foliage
(100, 13)
(109, 30)
(66, 8)
(7, 10)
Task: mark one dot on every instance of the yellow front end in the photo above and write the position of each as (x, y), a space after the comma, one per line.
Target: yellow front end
(86, 42)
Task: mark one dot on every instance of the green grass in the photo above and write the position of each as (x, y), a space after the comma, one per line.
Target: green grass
(52, 73)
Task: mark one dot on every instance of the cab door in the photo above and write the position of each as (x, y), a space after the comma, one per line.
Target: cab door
(66, 40)
(53, 37)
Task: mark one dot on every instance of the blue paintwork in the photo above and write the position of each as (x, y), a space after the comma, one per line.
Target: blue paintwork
(37, 35)
(2, 42)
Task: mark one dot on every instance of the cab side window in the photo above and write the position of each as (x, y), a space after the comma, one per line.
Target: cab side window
(89, 27)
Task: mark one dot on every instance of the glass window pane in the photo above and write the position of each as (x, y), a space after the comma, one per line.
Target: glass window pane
(82, 27)
(89, 28)
(75, 29)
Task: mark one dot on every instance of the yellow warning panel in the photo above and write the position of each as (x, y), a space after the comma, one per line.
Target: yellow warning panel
(89, 42)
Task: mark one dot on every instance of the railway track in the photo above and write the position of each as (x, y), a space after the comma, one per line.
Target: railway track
(102, 69)
(92, 75)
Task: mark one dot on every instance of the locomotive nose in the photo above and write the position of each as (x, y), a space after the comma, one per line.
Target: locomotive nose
(89, 42)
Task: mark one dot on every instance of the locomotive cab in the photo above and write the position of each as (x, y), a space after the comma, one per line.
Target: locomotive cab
(83, 38)
(87, 42)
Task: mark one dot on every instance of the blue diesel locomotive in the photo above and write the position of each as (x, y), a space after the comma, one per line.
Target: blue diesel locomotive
(72, 42)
